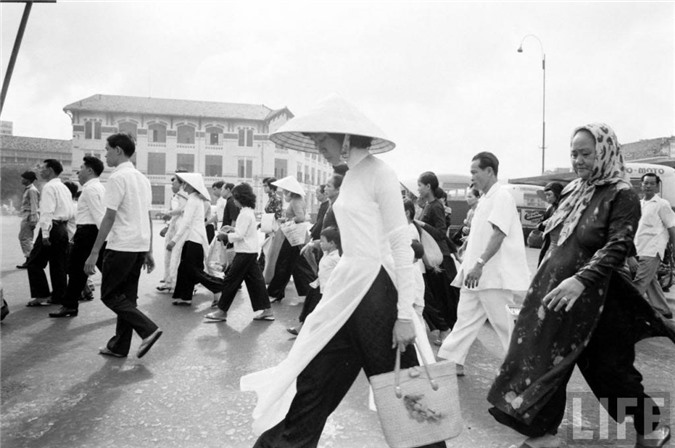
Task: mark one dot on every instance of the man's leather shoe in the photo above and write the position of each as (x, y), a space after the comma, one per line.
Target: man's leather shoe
(64, 312)
(22, 266)
(148, 343)
(107, 352)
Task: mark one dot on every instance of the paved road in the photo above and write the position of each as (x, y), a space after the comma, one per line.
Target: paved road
(58, 392)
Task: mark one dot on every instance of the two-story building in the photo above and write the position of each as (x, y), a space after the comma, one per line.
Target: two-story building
(223, 141)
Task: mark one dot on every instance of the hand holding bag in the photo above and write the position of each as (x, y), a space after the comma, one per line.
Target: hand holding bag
(419, 405)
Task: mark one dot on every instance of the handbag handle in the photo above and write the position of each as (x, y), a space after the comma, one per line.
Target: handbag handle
(397, 372)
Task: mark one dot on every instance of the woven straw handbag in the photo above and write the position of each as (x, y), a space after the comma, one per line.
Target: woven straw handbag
(296, 234)
(419, 405)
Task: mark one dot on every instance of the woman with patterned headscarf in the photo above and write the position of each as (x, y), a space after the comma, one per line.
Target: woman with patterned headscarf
(581, 309)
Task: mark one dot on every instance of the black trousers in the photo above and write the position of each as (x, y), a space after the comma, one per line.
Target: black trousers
(303, 275)
(83, 241)
(288, 258)
(364, 342)
(311, 301)
(607, 365)
(119, 292)
(56, 254)
(210, 232)
(441, 299)
(191, 272)
(244, 268)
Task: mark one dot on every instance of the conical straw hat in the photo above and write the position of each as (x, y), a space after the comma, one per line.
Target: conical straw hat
(196, 181)
(332, 115)
(290, 183)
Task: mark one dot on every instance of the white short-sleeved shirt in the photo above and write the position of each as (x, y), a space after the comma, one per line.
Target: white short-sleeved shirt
(652, 232)
(128, 192)
(507, 269)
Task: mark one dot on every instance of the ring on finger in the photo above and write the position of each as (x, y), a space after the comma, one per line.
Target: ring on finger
(564, 299)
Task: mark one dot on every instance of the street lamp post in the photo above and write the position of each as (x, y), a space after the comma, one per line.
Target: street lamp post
(543, 96)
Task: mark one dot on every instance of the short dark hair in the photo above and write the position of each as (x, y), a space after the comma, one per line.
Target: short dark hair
(341, 169)
(230, 186)
(337, 180)
(29, 175)
(554, 187)
(243, 193)
(218, 184)
(409, 207)
(123, 140)
(654, 175)
(268, 181)
(72, 187)
(487, 159)
(332, 235)
(54, 165)
(94, 163)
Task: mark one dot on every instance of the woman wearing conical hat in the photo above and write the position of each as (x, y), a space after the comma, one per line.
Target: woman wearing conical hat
(366, 312)
(288, 255)
(191, 230)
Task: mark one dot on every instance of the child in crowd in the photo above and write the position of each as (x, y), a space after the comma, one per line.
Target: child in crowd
(331, 247)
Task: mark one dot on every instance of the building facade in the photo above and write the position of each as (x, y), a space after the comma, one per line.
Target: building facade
(28, 152)
(223, 141)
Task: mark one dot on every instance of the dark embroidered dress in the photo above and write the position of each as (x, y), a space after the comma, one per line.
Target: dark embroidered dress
(598, 334)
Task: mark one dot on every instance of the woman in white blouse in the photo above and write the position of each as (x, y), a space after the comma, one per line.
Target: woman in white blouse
(244, 267)
(190, 230)
(367, 307)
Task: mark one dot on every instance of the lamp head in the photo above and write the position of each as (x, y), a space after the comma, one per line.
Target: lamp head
(520, 49)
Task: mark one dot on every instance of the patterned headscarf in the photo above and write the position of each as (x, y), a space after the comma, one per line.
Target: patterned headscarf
(608, 169)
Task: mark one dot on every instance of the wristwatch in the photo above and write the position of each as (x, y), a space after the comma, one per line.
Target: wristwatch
(480, 261)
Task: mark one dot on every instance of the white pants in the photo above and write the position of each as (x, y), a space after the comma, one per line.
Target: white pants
(475, 307)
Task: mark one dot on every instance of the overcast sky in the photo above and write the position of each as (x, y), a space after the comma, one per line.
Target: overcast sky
(442, 79)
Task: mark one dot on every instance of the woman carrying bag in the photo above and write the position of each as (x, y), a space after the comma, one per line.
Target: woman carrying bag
(294, 231)
(366, 312)
(192, 232)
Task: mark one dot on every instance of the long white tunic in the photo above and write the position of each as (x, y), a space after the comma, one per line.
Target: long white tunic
(374, 234)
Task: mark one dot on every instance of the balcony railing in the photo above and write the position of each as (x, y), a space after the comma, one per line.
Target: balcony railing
(157, 144)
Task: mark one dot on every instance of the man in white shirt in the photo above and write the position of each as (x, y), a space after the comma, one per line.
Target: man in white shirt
(656, 227)
(90, 211)
(51, 246)
(213, 223)
(175, 213)
(127, 226)
(29, 214)
(494, 268)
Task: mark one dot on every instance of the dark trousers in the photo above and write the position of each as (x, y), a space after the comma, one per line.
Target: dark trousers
(303, 275)
(441, 299)
(364, 342)
(607, 366)
(244, 268)
(83, 241)
(210, 232)
(56, 254)
(311, 301)
(288, 258)
(191, 272)
(119, 292)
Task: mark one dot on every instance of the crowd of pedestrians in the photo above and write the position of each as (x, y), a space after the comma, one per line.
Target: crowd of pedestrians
(376, 270)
